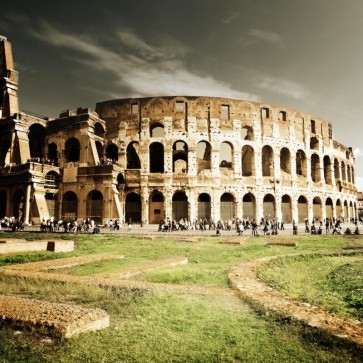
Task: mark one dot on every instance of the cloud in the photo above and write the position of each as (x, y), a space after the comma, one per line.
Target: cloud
(141, 67)
(230, 18)
(284, 87)
(357, 152)
(269, 37)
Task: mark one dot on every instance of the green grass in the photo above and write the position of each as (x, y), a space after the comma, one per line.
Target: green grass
(172, 326)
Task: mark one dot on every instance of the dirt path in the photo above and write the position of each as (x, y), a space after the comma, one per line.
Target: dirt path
(244, 279)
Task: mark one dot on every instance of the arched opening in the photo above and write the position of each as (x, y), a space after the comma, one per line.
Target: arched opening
(248, 161)
(339, 209)
(227, 210)
(204, 152)
(269, 208)
(3, 201)
(157, 130)
(249, 206)
(336, 170)
(301, 163)
(314, 143)
(346, 211)
(344, 175)
(4, 151)
(180, 157)
(120, 181)
(351, 211)
(352, 175)
(99, 130)
(315, 168)
(267, 161)
(347, 154)
(53, 153)
(204, 206)
(72, 150)
(94, 206)
(329, 208)
(285, 160)
(327, 170)
(180, 206)
(226, 155)
(69, 206)
(156, 207)
(51, 200)
(19, 204)
(112, 152)
(52, 180)
(286, 208)
(317, 209)
(156, 157)
(36, 141)
(247, 133)
(348, 174)
(132, 154)
(133, 208)
(302, 208)
(99, 148)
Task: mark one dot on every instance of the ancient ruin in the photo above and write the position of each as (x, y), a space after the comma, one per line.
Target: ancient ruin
(149, 159)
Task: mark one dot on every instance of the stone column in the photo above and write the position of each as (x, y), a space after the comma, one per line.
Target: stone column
(192, 161)
(27, 204)
(237, 162)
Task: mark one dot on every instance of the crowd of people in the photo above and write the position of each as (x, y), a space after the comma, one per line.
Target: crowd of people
(43, 161)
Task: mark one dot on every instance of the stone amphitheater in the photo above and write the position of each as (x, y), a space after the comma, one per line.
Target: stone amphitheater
(150, 159)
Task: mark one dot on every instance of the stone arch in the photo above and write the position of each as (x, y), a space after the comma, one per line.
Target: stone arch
(267, 161)
(204, 152)
(248, 161)
(349, 179)
(36, 141)
(249, 206)
(339, 209)
(120, 181)
(99, 148)
(317, 209)
(226, 155)
(53, 153)
(157, 129)
(346, 210)
(269, 207)
(327, 170)
(99, 130)
(180, 206)
(156, 207)
(69, 206)
(3, 203)
(285, 160)
(111, 152)
(132, 155)
(94, 206)
(351, 211)
(301, 161)
(227, 206)
(329, 209)
(314, 143)
(302, 209)
(286, 208)
(19, 204)
(204, 206)
(133, 208)
(180, 157)
(72, 150)
(336, 170)
(156, 157)
(4, 151)
(52, 180)
(344, 175)
(315, 168)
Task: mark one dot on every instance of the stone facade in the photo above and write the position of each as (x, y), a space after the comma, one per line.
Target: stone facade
(148, 159)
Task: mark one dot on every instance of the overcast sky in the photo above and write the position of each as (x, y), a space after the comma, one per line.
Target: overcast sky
(301, 54)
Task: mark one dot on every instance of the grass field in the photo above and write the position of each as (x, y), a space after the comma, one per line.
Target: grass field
(173, 326)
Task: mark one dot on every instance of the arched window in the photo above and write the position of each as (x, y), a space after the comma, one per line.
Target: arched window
(285, 160)
(336, 170)
(204, 152)
(317, 208)
(133, 208)
(302, 208)
(227, 206)
(157, 130)
(72, 150)
(112, 152)
(301, 163)
(339, 209)
(226, 155)
(248, 161)
(327, 170)
(267, 161)
(53, 153)
(315, 168)
(36, 141)
(180, 206)
(99, 148)
(314, 143)
(156, 157)
(247, 133)
(249, 206)
(52, 180)
(269, 208)
(99, 130)
(344, 175)
(132, 153)
(156, 207)
(329, 208)
(286, 208)
(69, 206)
(94, 206)
(180, 157)
(204, 206)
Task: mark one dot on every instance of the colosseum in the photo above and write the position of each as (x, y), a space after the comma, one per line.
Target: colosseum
(149, 159)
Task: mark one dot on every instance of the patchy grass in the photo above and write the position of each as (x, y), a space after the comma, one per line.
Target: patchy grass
(173, 326)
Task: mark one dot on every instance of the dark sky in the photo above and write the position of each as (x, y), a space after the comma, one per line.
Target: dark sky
(302, 54)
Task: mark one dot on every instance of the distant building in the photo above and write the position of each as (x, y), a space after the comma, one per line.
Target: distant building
(149, 159)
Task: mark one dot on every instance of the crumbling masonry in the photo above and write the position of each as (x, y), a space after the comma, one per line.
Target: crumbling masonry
(149, 159)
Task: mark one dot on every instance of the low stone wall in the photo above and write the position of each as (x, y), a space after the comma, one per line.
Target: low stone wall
(21, 245)
(62, 320)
